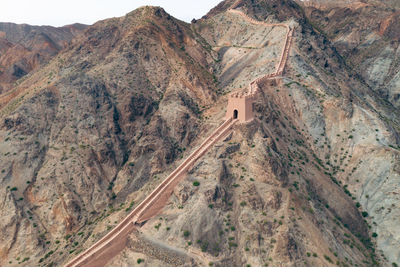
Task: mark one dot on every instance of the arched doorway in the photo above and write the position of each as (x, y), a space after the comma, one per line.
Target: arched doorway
(235, 114)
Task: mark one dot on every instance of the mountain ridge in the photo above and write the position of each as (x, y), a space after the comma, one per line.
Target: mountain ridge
(312, 180)
(26, 48)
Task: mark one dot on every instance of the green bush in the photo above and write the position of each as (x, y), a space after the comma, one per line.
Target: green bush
(186, 233)
(196, 183)
(328, 259)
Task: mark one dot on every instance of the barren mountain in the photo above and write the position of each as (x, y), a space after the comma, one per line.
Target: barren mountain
(367, 35)
(313, 180)
(24, 48)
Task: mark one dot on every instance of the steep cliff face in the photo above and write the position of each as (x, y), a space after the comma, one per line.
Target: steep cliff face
(313, 180)
(24, 48)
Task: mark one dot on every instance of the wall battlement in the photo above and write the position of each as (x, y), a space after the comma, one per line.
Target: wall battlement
(240, 105)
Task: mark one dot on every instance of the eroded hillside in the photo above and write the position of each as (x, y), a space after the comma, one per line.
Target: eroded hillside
(313, 180)
(93, 126)
(367, 34)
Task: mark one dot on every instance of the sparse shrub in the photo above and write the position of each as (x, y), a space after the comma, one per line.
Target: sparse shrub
(130, 206)
(232, 244)
(186, 233)
(110, 186)
(204, 246)
(139, 261)
(328, 259)
(196, 183)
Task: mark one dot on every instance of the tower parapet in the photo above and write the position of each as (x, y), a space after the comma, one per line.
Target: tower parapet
(240, 104)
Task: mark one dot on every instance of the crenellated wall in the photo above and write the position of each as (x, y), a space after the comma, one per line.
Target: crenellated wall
(239, 109)
(240, 104)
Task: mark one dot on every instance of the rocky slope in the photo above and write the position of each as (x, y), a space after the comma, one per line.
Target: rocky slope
(24, 48)
(313, 180)
(367, 34)
(93, 126)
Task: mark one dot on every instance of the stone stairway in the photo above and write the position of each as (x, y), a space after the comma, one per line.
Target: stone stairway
(157, 203)
(114, 241)
(254, 85)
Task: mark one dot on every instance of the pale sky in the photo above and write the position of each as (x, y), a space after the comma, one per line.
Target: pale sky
(63, 12)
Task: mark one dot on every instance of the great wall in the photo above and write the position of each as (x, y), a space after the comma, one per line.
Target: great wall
(239, 110)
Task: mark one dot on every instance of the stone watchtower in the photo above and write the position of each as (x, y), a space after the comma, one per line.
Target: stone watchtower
(240, 106)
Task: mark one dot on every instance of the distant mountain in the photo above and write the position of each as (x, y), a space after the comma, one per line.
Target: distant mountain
(24, 48)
